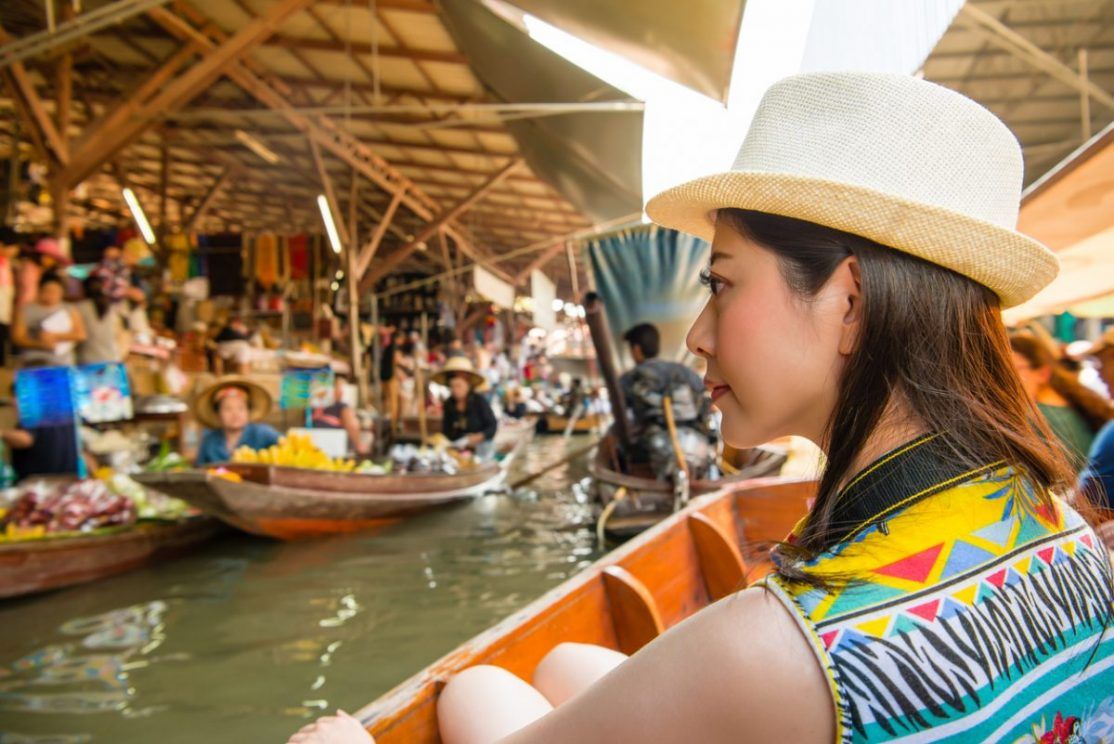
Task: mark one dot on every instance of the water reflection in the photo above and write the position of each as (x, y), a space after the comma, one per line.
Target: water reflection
(246, 638)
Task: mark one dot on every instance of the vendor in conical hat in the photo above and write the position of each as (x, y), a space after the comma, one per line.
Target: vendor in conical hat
(468, 419)
(232, 409)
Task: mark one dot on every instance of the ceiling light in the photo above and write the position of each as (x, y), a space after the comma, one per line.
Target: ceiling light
(330, 226)
(140, 217)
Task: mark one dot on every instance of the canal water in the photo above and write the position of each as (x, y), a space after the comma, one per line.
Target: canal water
(247, 639)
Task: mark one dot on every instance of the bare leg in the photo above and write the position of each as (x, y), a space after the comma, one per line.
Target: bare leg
(571, 668)
(339, 729)
(483, 704)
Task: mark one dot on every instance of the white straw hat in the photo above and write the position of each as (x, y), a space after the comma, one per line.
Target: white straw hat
(901, 161)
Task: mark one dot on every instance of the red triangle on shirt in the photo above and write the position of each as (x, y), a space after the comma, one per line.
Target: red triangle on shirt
(829, 638)
(998, 578)
(928, 610)
(1045, 554)
(915, 567)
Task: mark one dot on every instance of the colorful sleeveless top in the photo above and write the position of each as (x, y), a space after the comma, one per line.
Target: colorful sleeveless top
(959, 609)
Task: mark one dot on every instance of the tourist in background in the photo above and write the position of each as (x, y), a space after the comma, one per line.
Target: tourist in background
(44, 259)
(1074, 413)
(102, 325)
(47, 329)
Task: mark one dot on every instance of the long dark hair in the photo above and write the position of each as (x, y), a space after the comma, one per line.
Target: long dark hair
(931, 340)
(1094, 409)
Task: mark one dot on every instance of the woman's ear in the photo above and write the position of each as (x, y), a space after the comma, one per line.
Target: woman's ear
(848, 283)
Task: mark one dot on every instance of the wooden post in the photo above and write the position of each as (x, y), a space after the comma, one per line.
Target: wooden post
(353, 283)
(164, 179)
(376, 355)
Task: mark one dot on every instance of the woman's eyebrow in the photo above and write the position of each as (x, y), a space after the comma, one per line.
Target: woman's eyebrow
(717, 255)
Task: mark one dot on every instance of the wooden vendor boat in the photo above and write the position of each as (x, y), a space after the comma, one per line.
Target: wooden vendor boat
(29, 566)
(707, 551)
(294, 503)
(634, 501)
(556, 423)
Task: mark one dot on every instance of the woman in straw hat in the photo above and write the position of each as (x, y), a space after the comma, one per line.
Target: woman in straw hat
(863, 246)
(232, 409)
(468, 420)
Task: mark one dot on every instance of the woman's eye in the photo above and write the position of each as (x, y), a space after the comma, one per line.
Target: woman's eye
(711, 281)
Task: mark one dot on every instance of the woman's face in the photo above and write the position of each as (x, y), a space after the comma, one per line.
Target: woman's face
(459, 387)
(51, 294)
(233, 412)
(773, 358)
(1032, 379)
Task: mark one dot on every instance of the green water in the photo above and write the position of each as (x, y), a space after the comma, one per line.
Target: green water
(247, 639)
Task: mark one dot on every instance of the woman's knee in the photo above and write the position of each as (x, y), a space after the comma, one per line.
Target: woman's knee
(571, 668)
(485, 703)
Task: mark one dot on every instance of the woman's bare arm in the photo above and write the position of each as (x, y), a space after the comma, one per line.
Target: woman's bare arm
(740, 670)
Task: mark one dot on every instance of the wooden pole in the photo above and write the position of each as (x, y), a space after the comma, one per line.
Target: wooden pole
(354, 296)
(1084, 96)
(376, 355)
(419, 381)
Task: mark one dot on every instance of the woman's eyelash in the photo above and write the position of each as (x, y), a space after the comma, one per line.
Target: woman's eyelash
(713, 283)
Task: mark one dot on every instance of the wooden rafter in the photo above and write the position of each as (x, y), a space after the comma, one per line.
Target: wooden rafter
(358, 47)
(545, 257)
(330, 193)
(321, 128)
(103, 142)
(368, 251)
(208, 200)
(396, 258)
(34, 112)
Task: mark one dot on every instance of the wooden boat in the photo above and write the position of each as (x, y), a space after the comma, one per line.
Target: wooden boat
(696, 556)
(294, 503)
(556, 423)
(29, 566)
(635, 501)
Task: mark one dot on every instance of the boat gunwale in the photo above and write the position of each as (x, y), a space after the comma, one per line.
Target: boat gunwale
(393, 708)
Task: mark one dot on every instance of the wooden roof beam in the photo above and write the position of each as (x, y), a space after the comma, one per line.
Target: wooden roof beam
(330, 194)
(432, 228)
(207, 200)
(323, 129)
(137, 115)
(31, 107)
(358, 47)
(1003, 36)
(368, 251)
(545, 257)
(410, 6)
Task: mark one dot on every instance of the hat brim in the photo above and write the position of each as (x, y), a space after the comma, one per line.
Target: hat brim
(474, 378)
(259, 401)
(1014, 266)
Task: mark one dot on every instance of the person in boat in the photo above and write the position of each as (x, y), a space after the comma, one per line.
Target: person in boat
(863, 247)
(647, 389)
(339, 415)
(232, 409)
(467, 420)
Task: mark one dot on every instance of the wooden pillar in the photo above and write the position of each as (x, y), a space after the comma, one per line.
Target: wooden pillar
(353, 284)
(164, 179)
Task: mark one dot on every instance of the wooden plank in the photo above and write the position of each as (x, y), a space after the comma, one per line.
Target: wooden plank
(720, 561)
(361, 47)
(634, 612)
(442, 220)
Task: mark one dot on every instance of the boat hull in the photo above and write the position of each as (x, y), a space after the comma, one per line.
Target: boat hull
(32, 566)
(296, 503)
(643, 502)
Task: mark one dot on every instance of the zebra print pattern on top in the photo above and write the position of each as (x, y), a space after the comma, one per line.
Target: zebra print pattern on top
(973, 616)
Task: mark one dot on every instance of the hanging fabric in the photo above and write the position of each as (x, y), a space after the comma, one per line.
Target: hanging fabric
(267, 260)
(650, 275)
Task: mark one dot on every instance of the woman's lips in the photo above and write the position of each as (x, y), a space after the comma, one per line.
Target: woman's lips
(718, 390)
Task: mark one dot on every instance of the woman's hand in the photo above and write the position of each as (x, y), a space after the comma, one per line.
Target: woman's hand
(339, 729)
